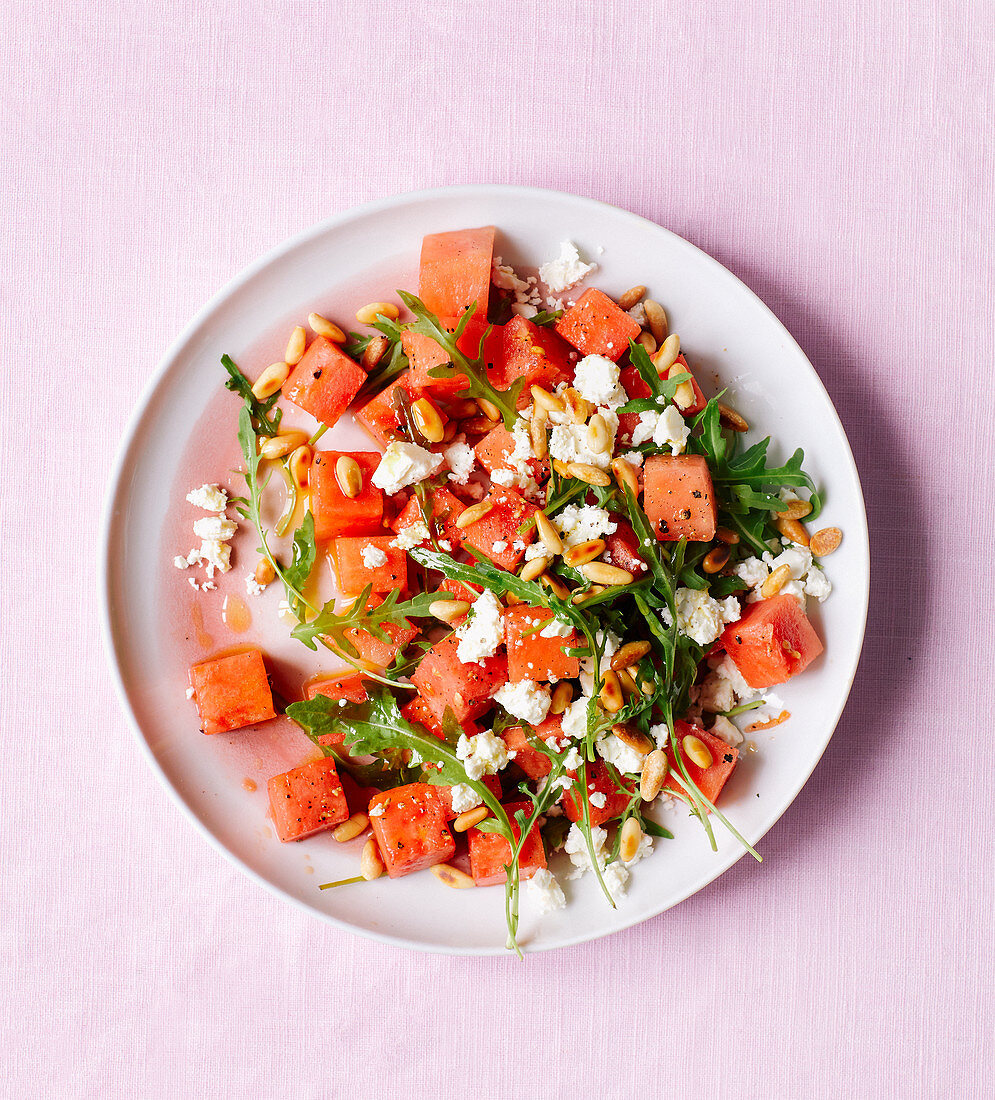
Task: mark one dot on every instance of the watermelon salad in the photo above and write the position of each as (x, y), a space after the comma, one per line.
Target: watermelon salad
(564, 586)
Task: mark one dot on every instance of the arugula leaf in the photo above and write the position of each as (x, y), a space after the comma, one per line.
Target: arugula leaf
(546, 317)
(392, 363)
(259, 411)
(304, 554)
(332, 626)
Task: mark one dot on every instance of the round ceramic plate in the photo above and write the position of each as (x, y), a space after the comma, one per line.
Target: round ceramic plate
(731, 339)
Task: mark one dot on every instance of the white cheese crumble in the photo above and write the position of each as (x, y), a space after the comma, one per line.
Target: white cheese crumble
(544, 892)
(700, 617)
(556, 628)
(616, 879)
(806, 578)
(566, 270)
(252, 586)
(634, 458)
(581, 523)
(483, 631)
(411, 536)
(499, 546)
(619, 754)
(573, 759)
(727, 730)
(525, 699)
(574, 723)
(665, 429)
(638, 313)
(405, 464)
(377, 810)
(596, 379)
(461, 459)
(571, 442)
(483, 754)
(212, 498)
(464, 797)
(373, 556)
(214, 528)
(598, 800)
(576, 849)
(217, 555)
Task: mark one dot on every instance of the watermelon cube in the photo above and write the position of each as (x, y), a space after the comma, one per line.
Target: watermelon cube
(409, 825)
(444, 681)
(490, 853)
(232, 692)
(335, 513)
(325, 381)
(307, 800)
(532, 657)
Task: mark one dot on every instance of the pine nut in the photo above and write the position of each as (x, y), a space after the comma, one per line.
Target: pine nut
(370, 864)
(625, 475)
(653, 775)
(717, 558)
(731, 419)
(270, 381)
(776, 581)
(794, 530)
(648, 340)
(667, 355)
(583, 597)
(631, 836)
(350, 828)
(599, 439)
(374, 351)
(825, 541)
(548, 534)
(278, 446)
(602, 573)
(296, 346)
(537, 437)
(534, 568)
(512, 600)
(684, 396)
(590, 475)
(561, 468)
(466, 820)
(368, 314)
(427, 420)
(611, 695)
(545, 400)
(265, 573)
(579, 408)
(473, 513)
(300, 466)
(448, 610)
(630, 654)
(796, 509)
(629, 685)
(730, 538)
(349, 476)
(696, 750)
(647, 687)
(557, 587)
(321, 326)
(563, 695)
(452, 876)
(633, 295)
(656, 317)
(489, 409)
(584, 552)
(630, 736)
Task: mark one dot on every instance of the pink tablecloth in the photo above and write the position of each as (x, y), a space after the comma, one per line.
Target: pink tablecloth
(840, 161)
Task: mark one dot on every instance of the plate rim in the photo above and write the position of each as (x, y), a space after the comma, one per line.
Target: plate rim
(110, 520)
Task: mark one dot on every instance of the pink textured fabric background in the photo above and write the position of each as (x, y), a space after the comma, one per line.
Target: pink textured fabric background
(838, 158)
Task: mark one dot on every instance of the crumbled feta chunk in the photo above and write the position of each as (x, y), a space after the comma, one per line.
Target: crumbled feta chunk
(544, 892)
(378, 809)
(217, 555)
(616, 879)
(671, 430)
(581, 523)
(461, 459)
(806, 577)
(727, 730)
(191, 693)
(252, 586)
(524, 309)
(483, 754)
(634, 458)
(556, 628)
(597, 379)
(574, 723)
(619, 754)
(405, 464)
(503, 276)
(212, 498)
(571, 442)
(483, 631)
(499, 546)
(701, 618)
(525, 699)
(576, 848)
(566, 270)
(214, 528)
(464, 797)
(598, 800)
(373, 556)
(573, 759)
(411, 536)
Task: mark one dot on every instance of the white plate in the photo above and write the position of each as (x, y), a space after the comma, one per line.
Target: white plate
(730, 337)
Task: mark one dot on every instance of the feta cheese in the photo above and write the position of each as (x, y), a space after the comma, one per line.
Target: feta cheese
(377, 810)
(411, 536)
(524, 309)
(464, 797)
(405, 464)
(576, 849)
(373, 556)
(566, 270)
(634, 458)
(191, 693)
(573, 759)
(638, 313)
(461, 459)
(216, 555)
(212, 498)
(727, 730)
(525, 699)
(483, 754)
(544, 892)
(616, 879)
(671, 430)
(574, 723)
(643, 431)
(499, 546)
(598, 800)
(503, 276)
(214, 528)
(701, 618)
(596, 379)
(483, 631)
(570, 442)
(252, 586)
(581, 523)
(556, 628)
(619, 754)
(806, 577)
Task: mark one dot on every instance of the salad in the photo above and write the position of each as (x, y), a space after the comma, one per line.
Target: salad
(564, 587)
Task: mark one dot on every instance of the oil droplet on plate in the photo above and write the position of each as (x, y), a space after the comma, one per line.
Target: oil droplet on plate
(204, 640)
(249, 784)
(235, 615)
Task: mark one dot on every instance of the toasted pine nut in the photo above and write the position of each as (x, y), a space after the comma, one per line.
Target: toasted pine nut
(270, 380)
(488, 408)
(300, 466)
(776, 581)
(548, 534)
(534, 568)
(684, 396)
(448, 610)
(537, 437)
(278, 446)
(696, 750)
(611, 695)
(296, 346)
(452, 876)
(349, 475)
(825, 541)
(473, 513)
(584, 552)
(631, 296)
(648, 340)
(321, 326)
(653, 774)
(731, 419)
(602, 573)
(730, 538)
(350, 828)
(590, 475)
(794, 530)
(630, 736)
(368, 314)
(630, 654)
(265, 573)
(626, 679)
(796, 509)
(631, 836)
(599, 439)
(583, 597)
(545, 400)
(578, 407)
(561, 467)
(647, 687)
(370, 864)
(466, 820)
(512, 600)
(427, 420)
(625, 475)
(563, 695)
(715, 559)
(656, 317)
(374, 351)
(556, 586)
(667, 355)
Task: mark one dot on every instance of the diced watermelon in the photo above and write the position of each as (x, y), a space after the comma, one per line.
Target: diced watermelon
(375, 650)
(535, 763)
(379, 415)
(445, 510)
(490, 853)
(679, 498)
(417, 710)
(455, 271)
(532, 657)
(595, 325)
(325, 381)
(232, 692)
(307, 800)
(335, 513)
(599, 781)
(709, 781)
(493, 450)
(622, 548)
(409, 825)
(353, 574)
(772, 642)
(498, 535)
(444, 681)
(424, 354)
(460, 591)
(534, 353)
